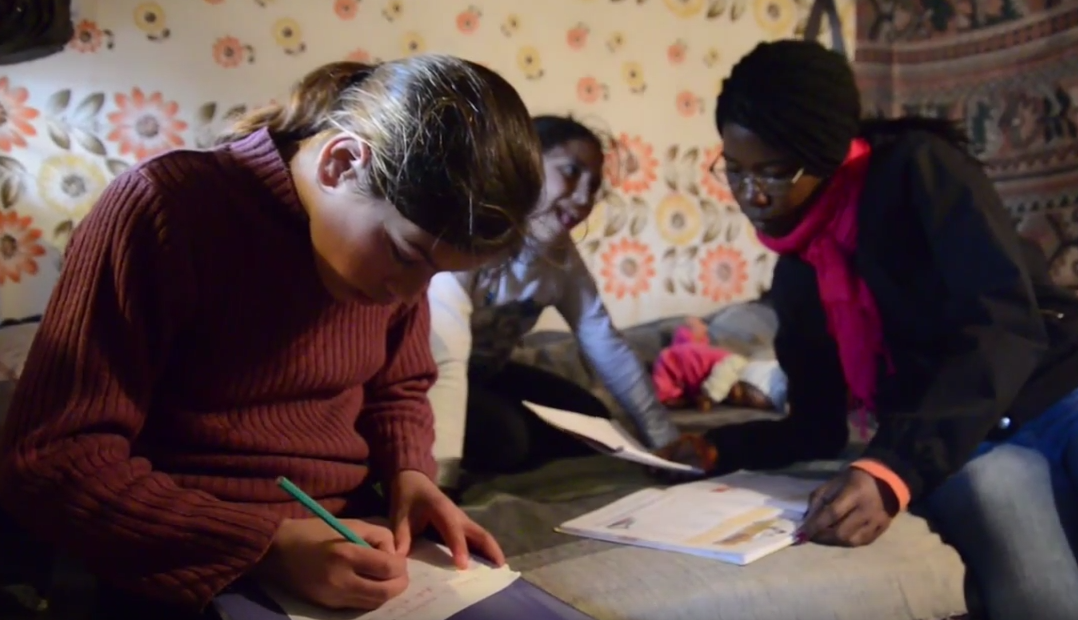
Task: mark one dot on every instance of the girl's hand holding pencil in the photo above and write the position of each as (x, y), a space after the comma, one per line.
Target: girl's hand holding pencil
(852, 509)
(309, 559)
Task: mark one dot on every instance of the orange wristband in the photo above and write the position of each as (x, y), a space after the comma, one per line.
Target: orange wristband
(881, 472)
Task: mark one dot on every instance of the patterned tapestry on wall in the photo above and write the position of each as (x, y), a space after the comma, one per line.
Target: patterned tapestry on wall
(1009, 70)
(140, 78)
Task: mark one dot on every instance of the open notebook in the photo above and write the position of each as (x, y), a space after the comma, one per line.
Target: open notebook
(738, 518)
(606, 436)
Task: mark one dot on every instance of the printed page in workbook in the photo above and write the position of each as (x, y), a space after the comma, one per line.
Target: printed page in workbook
(436, 590)
(738, 518)
(606, 436)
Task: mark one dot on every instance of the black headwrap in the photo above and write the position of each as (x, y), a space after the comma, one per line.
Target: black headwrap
(798, 96)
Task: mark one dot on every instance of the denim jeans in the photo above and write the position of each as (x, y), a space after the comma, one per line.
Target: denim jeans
(1012, 514)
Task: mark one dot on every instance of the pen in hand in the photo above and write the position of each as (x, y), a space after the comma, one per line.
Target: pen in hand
(308, 502)
(351, 564)
(800, 536)
(820, 499)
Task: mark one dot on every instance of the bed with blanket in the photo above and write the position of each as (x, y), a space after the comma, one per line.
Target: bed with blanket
(909, 574)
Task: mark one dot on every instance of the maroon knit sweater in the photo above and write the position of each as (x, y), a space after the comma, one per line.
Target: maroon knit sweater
(189, 356)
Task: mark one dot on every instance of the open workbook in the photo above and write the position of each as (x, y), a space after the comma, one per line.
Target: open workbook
(437, 590)
(606, 436)
(738, 518)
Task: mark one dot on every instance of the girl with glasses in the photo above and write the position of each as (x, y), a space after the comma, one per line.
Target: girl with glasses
(902, 287)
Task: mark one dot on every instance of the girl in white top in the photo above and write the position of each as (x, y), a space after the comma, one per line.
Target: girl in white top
(479, 317)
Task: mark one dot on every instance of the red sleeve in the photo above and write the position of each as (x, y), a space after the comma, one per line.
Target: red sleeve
(397, 420)
(67, 472)
(664, 374)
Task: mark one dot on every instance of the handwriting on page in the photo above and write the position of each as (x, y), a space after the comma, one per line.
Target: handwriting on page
(413, 604)
(436, 591)
(441, 600)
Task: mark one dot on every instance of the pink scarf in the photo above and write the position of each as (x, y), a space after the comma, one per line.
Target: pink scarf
(826, 239)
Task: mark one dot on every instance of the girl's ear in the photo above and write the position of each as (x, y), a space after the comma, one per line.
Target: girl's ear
(340, 159)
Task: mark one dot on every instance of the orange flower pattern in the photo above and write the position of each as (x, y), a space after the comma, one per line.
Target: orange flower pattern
(229, 52)
(19, 247)
(631, 166)
(468, 20)
(590, 90)
(689, 104)
(359, 55)
(676, 52)
(628, 267)
(724, 272)
(577, 37)
(88, 38)
(145, 126)
(346, 9)
(15, 116)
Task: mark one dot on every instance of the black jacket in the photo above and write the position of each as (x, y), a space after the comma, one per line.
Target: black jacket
(979, 337)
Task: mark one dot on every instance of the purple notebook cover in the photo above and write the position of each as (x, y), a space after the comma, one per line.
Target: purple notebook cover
(520, 600)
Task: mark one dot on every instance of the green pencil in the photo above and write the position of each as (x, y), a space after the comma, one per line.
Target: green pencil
(320, 512)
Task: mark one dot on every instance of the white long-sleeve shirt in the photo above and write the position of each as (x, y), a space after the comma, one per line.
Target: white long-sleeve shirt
(450, 342)
(503, 305)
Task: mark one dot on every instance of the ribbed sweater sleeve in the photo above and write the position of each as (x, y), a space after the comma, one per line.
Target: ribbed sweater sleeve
(397, 420)
(68, 473)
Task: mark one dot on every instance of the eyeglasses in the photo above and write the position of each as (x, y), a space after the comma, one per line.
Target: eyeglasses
(739, 181)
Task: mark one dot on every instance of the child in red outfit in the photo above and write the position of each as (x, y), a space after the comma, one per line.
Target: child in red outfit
(692, 371)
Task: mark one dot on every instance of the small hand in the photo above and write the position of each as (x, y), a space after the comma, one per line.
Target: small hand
(704, 403)
(850, 510)
(678, 402)
(416, 502)
(689, 449)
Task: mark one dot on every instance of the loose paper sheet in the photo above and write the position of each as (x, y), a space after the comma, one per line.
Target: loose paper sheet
(436, 590)
(607, 434)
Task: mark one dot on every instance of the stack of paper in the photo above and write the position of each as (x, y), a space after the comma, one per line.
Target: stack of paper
(738, 518)
(436, 590)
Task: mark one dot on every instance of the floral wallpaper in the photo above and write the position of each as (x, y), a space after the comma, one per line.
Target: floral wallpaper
(140, 78)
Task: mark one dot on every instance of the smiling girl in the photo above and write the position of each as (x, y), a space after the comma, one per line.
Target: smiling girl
(486, 312)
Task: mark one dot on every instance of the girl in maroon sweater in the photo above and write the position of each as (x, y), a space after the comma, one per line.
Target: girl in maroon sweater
(230, 316)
